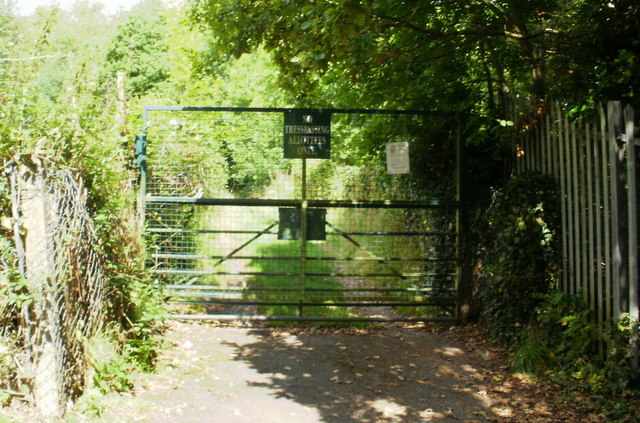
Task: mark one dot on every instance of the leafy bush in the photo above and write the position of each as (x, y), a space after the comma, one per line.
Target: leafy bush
(559, 335)
(519, 255)
(561, 344)
(618, 367)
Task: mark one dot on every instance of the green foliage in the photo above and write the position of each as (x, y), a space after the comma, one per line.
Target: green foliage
(14, 294)
(51, 112)
(139, 50)
(111, 369)
(8, 368)
(147, 311)
(520, 254)
(349, 45)
(559, 334)
(445, 55)
(604, 63)
(620, 336)
(561, 344)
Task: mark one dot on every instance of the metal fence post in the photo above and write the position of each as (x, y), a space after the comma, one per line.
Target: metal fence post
(618, 207)
(632, 199)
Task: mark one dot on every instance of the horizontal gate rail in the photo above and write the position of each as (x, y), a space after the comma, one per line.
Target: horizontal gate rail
(256, 202)
(326, 274)
(215, 289)
(261, 317)
(438, 301)
(324, 258)
(286, 109)
(220, 231)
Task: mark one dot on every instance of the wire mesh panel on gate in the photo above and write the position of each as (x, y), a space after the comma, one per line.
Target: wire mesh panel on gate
(219, 193)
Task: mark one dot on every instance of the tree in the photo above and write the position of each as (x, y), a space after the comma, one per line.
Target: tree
(461, 49)
(598, 59)
(139, 50)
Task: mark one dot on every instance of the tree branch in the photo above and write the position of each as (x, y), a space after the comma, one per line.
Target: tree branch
(24, 59)
(400, 23)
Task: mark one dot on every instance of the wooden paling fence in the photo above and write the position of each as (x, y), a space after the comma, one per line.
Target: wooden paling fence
(594, 161)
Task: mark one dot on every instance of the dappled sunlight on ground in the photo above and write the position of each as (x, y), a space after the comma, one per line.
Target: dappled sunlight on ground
(395, 373)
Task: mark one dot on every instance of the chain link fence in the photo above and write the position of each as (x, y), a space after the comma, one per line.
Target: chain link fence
(55, 287)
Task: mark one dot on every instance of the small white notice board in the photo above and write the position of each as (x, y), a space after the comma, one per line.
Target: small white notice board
(398, 157)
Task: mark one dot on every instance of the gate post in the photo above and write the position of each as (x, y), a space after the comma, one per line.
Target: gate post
(141, 161)
(303, 239)
(462, 228)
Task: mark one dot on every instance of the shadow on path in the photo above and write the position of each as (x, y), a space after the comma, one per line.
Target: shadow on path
(367, 375)
(310, 375)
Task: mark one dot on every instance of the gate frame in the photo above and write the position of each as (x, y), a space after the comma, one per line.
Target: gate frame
(463, 274)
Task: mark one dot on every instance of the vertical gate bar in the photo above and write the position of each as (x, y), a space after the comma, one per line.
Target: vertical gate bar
(459, 311)
(632, 226)
(303, 238)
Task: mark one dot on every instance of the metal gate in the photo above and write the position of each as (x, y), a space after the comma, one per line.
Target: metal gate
(235, 230)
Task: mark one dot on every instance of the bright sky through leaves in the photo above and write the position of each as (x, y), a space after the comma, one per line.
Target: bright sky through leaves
(26, 7)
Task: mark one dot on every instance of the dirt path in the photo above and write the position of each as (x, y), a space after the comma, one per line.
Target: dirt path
(393, 374)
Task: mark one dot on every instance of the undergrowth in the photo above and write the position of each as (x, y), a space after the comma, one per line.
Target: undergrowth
(562, 344)
(519, 255)
(551, 334)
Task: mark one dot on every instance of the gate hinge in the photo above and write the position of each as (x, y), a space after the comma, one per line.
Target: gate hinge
(141, 149)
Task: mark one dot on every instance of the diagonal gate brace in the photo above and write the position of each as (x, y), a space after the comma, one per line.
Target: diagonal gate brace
(369, 253)
(231, 254)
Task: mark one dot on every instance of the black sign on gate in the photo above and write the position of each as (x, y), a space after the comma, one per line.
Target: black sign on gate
(307, 134)
(289, 227)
